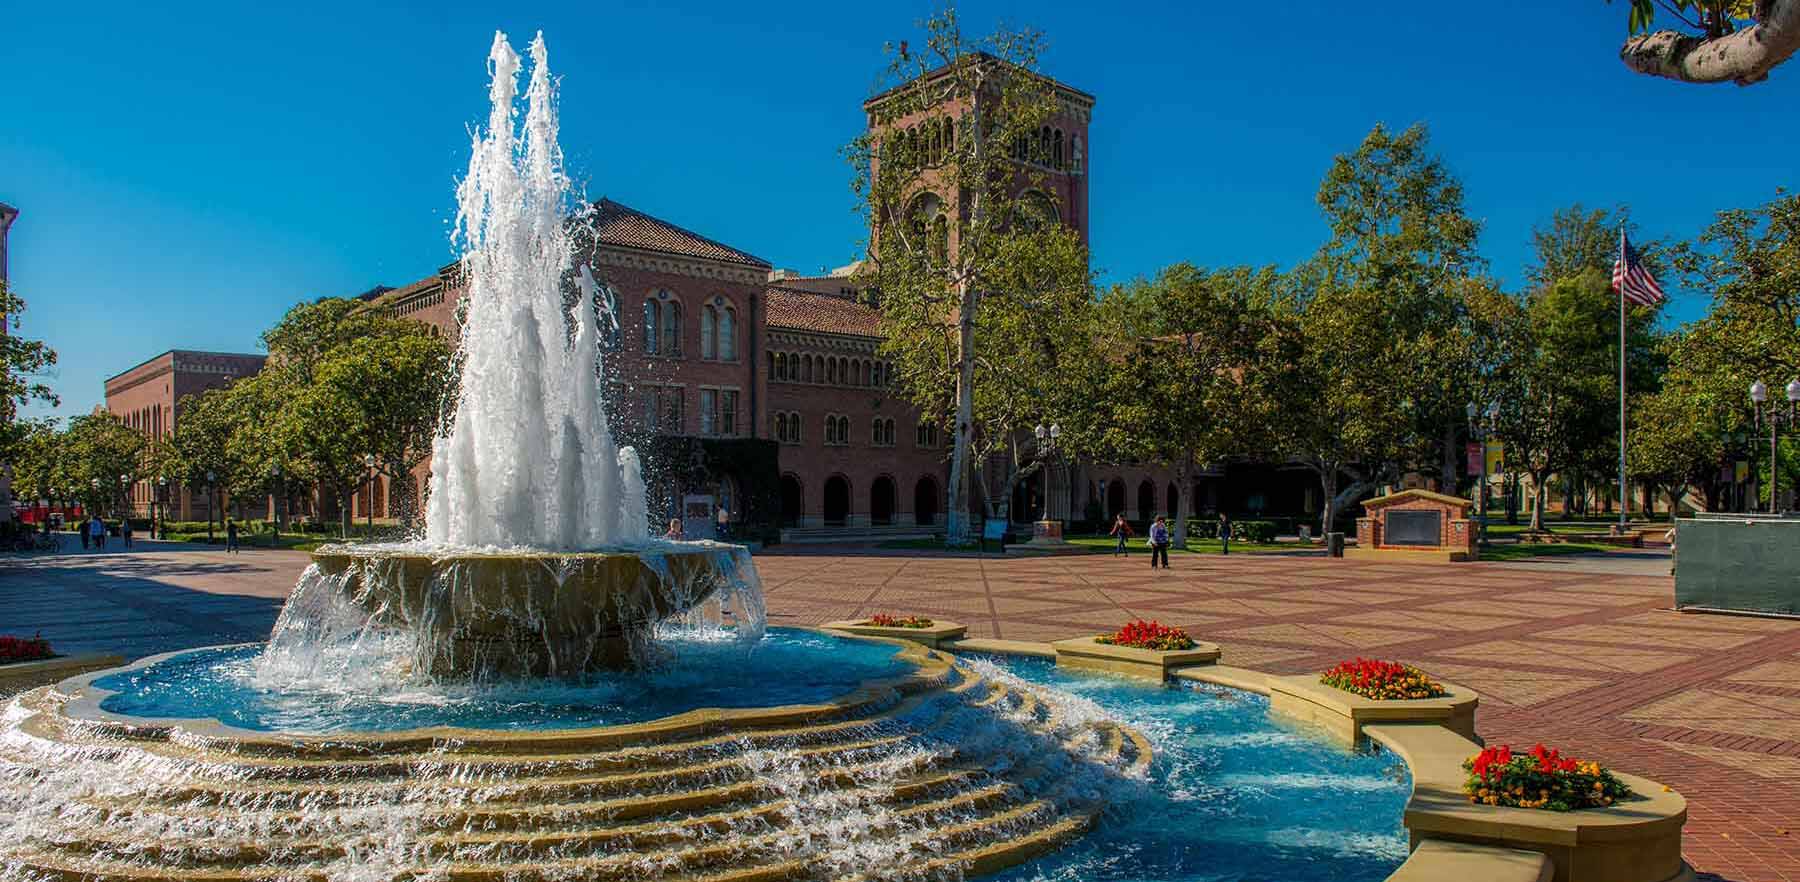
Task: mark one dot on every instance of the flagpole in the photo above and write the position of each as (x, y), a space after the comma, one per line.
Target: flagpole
(1624, 496)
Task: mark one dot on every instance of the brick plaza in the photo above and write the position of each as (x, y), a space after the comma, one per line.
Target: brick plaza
(1582, 652)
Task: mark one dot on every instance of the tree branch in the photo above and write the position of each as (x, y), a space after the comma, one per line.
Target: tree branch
(1744, 57)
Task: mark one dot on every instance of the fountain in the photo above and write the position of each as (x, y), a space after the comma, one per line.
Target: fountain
(536, 689)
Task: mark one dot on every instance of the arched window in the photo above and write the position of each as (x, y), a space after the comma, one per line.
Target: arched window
(709, 320)
(781, 429)
(727, 334)
(831, 371)
(1056, 150)
(887, 432)
(772, 374)
(671, 328)
(781, 365)
(809, 369)
(875, 431)
(652, 312)
(795, 435)
(843, 430)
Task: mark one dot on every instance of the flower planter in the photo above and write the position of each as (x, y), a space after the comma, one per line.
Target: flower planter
(1087, 653)
(1635, 840)
(1343, 714)
(934, 636)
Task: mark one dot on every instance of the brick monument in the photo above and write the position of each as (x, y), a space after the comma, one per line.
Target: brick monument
(1415, 525)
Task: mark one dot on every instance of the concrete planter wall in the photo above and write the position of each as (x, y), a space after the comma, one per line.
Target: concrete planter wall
(1088, 653)
(1344, 714)
(22, 676)
(939, 633)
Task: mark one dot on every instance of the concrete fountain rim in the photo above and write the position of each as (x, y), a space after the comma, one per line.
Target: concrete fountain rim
(444, 554)
(929, 668)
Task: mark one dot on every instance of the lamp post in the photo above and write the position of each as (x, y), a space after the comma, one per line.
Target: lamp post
(161, 525)
(1480, 424)
(369, 510)
(1759, 396)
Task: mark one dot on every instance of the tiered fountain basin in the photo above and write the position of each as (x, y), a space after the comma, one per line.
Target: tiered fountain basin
(937, 768)
(506, 614)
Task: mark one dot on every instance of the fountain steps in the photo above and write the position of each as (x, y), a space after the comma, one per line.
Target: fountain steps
(790, 795)
(971, 819)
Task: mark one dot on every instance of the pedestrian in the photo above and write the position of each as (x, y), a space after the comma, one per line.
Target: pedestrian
(98, 528)
(674, 533)
(1225, 532)
(724, 524)
(1122, 531)
(81, 529)
(125, 531)
(1159, 542)
(231, 539)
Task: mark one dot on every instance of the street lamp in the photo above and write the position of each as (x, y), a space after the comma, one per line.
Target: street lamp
(369, 510)
(1759, 395)
(162, 496)
(1480, 424)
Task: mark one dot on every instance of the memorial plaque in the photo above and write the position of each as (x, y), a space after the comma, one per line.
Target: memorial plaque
(1414, 528)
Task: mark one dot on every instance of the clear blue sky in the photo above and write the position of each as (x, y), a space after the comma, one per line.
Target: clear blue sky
(185, 176)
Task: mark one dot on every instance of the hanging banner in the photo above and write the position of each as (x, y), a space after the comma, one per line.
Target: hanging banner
(1496, 457)
(1474, 454)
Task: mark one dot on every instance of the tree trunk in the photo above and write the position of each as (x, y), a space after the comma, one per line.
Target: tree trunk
(1328, 483)
(957, 518)
(1447, 468)
(1183, 501)
(1744, 57)
(1540, 490)
(1568, 496)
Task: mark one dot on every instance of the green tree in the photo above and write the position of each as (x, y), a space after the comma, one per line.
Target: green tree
(1749, 261)
(105, 457)
(1374, 332)
(977, 279)
(390, 389)
(22, 364)
(1179, 347)
(201, 445)
(40, 464)
(1711, 41)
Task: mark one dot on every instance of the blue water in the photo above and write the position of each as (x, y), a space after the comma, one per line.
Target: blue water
(784, 668)
(1231, 796)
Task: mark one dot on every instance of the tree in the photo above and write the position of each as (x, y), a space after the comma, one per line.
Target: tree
(977, 279)
(1179, 347)
(200, 449)
(104, 460)
(1717, 41)
(1373, 332)
(1676, 443)
(22, 361)
(391, 388)
(40, 463)
(1749, 260)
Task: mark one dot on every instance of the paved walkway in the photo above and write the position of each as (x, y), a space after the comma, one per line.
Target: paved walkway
(1577, 652)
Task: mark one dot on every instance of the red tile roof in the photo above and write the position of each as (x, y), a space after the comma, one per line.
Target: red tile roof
(627, 227)
(811, 311)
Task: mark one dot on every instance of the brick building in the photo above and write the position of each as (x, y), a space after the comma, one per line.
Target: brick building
(717, 347)
(148, 398)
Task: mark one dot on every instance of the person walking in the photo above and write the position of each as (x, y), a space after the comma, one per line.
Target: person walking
(724, 524)
(1159, 542)
(1121, 530)
(81, 529)
(97, 528)
(231, 537)
(675, 533)
(125, 531)
(1225, 532)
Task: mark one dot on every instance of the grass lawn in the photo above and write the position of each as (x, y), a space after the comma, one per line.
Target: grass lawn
(1518, 550)
(1104, 545)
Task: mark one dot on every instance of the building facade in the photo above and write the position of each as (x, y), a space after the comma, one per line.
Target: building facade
(148, 398)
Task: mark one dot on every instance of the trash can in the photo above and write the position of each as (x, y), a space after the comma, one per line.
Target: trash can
(1334, 544)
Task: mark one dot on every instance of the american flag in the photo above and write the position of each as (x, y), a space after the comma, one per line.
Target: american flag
(1631, 279)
